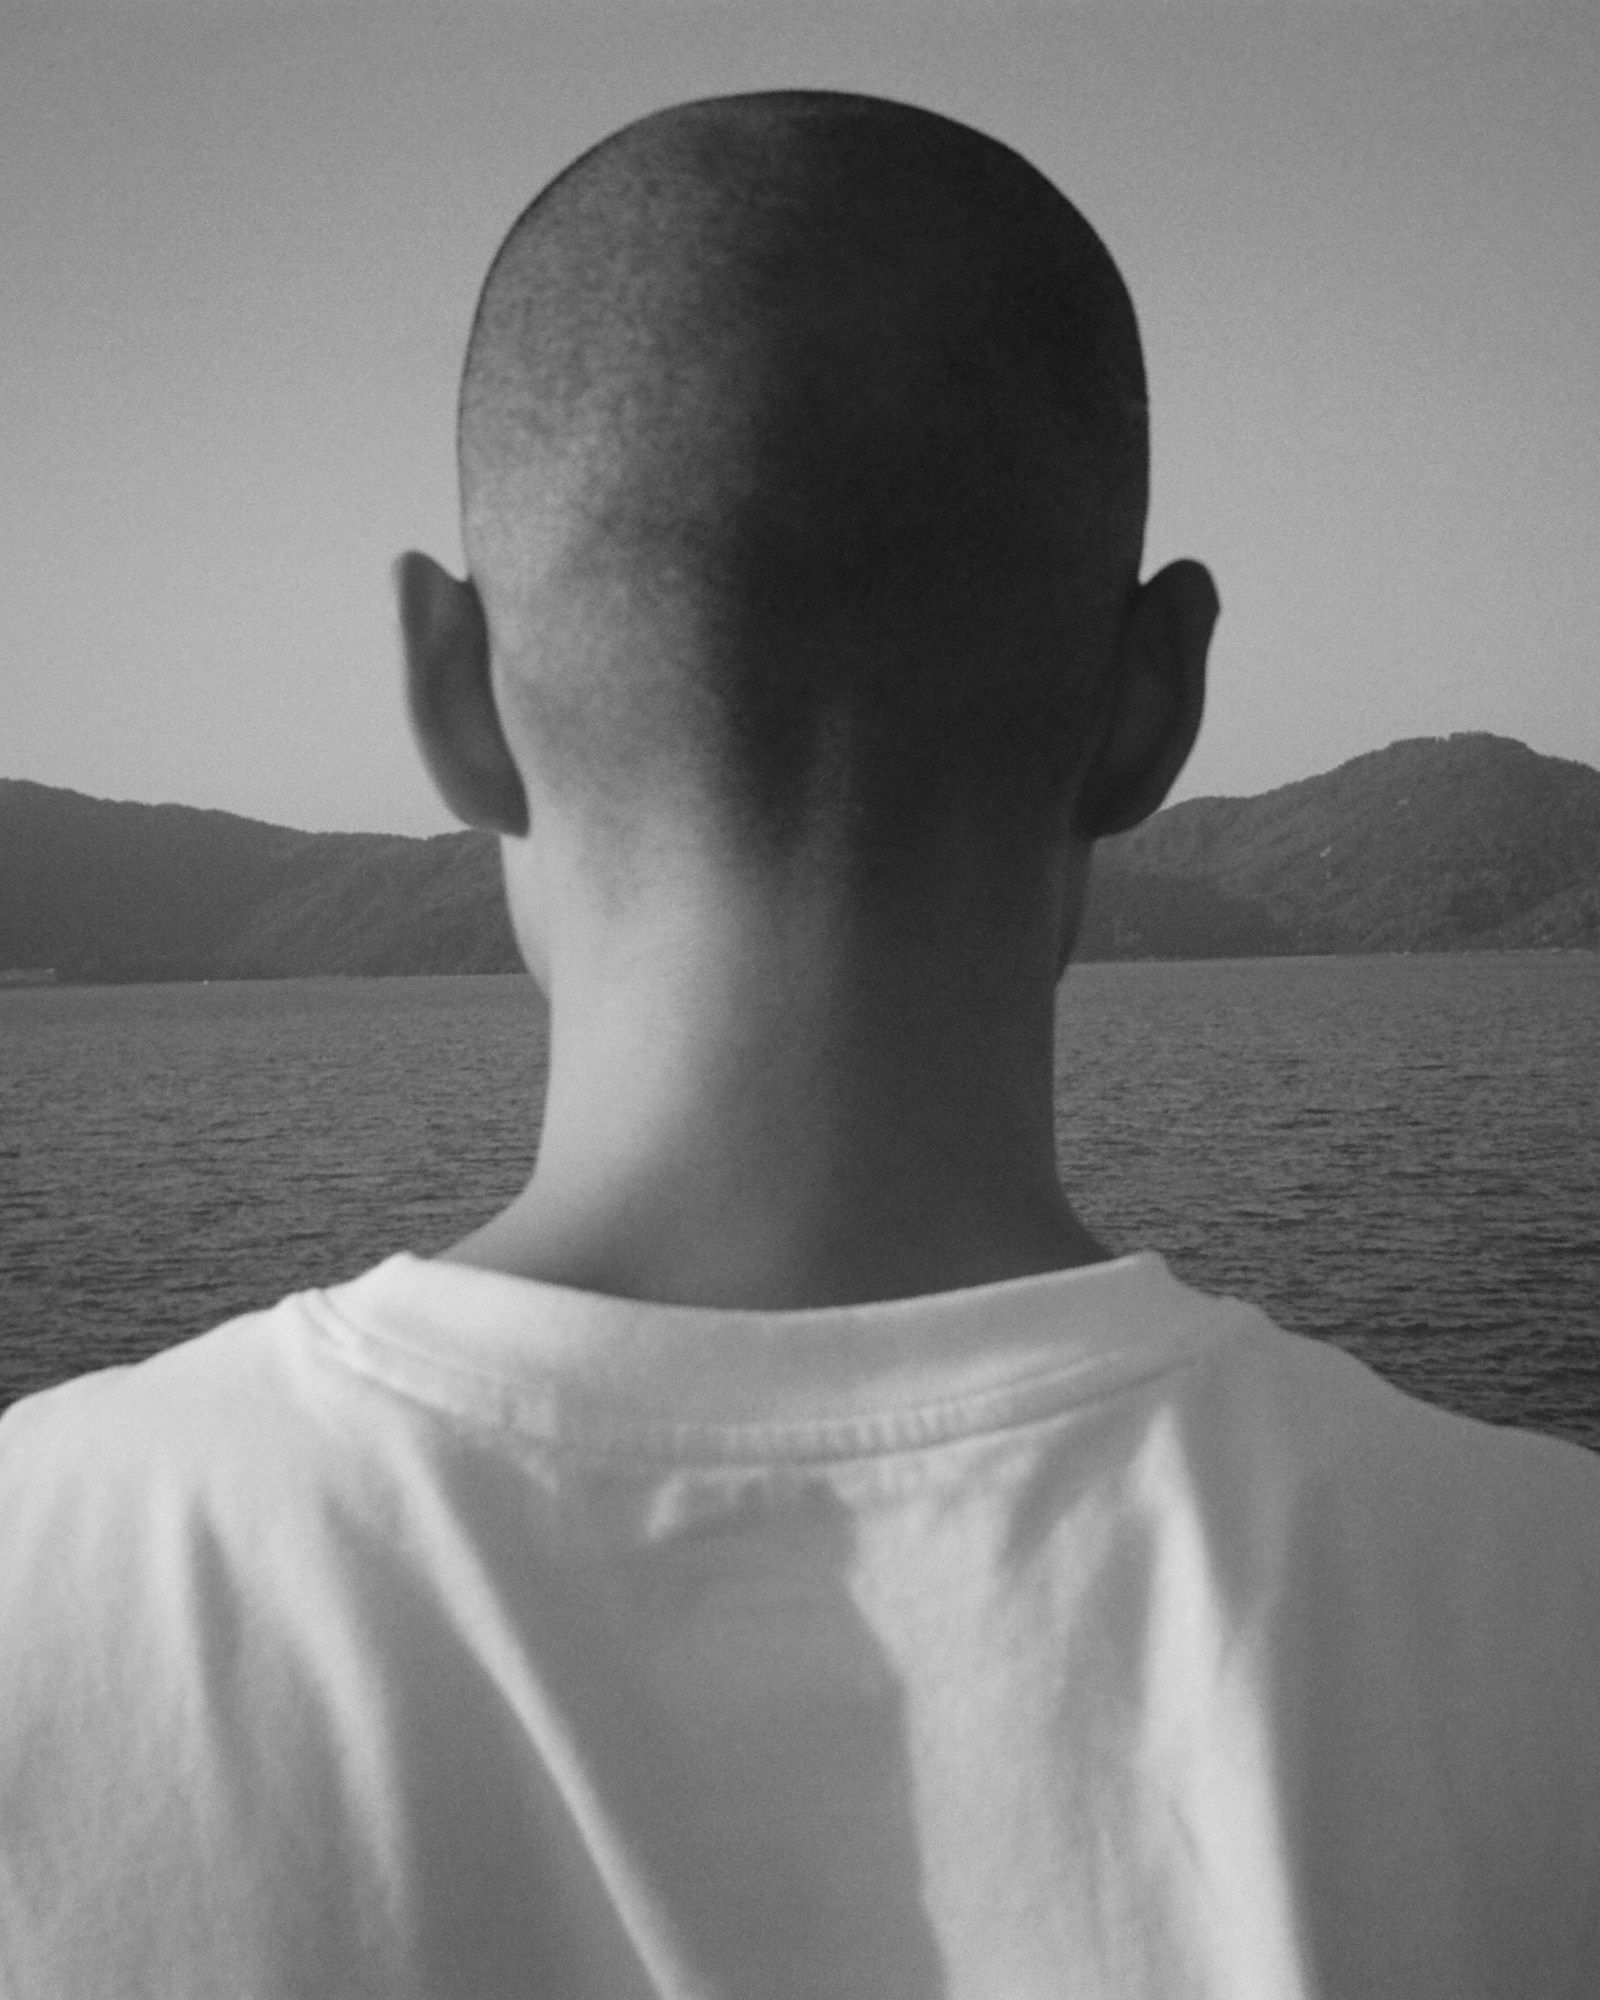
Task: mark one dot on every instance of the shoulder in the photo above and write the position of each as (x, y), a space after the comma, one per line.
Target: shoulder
(1386, 1499)
(1350, 1498)
(220, 1437)
(234, 1387)
(175, 1406)
(174, 1535)
(1346, 1415)
(150, 1507)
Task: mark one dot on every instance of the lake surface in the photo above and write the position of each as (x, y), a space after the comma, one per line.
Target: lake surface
(1401, 1155)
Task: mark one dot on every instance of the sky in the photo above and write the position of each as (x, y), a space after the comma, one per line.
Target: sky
(242, 241)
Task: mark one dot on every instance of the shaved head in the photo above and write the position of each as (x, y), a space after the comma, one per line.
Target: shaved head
(803, 452)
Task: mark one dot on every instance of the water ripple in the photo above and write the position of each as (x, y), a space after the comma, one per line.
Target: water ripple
(1400, 1155)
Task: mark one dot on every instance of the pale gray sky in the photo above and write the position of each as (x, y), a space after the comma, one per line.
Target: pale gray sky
(241, 241)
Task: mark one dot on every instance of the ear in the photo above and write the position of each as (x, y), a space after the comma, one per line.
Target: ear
(451, 697)
(1153, 702)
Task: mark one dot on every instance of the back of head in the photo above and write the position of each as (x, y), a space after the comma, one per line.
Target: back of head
(803, 450)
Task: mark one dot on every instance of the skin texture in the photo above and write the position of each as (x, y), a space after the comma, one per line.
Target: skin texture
(781, 1078)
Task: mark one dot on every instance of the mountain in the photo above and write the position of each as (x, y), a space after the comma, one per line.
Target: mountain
(101, 889)
(1468, 842)
(1435, 844)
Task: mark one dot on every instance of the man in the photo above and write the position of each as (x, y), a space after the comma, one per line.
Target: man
(784, 1554)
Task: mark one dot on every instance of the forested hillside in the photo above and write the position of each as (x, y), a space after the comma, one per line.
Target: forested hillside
(102, 889)
(1435, 844)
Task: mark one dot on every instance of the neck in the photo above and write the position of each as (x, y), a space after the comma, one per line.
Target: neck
(780, 1110)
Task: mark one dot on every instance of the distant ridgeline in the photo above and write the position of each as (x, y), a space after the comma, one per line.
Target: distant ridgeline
(1435, 844)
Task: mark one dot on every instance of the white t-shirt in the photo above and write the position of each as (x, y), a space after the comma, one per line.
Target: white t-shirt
(447, 1634)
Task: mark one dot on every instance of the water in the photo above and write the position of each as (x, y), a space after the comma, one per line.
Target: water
(1401, 1155)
